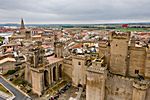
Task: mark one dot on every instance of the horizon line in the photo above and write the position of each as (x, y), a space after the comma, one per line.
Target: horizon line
(78, 23)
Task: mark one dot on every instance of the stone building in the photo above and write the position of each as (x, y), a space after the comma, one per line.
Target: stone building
(119, 71)
(42, 72)
(24, 34)
(126, 76)
(7, 62)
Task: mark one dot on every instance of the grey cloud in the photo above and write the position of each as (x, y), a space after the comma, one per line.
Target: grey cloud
(55, 11)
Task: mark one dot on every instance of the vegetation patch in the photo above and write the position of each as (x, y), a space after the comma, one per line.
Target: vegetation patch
(132, 29)
(3, 89)
(56, 87)
(10, 72)
(1, 39)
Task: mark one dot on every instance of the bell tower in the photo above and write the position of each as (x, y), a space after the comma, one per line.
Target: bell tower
(34, 72)
(22, 24)
(36, 55)
(58, 47)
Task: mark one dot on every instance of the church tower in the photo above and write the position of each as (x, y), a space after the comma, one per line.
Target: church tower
(58, 47)
(33, 72)
(22, 24)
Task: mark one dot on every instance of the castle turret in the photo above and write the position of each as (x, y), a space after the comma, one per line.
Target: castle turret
(139, 90)
(96, 80)
(79, 70)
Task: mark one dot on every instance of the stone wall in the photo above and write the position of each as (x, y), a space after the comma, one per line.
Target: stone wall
(67, 67)
(68, 70)
(137, 61)
(95, 87)
(37, 82)
(118, 57)
(147, 65)
(79, 71)
(148, 94)
(118, 88)
(28, 73)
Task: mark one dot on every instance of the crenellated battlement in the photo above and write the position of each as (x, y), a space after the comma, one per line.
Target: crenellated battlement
(103, 44)
(142, 85)
(138, 48)
(120, 35)
(97, 66)
(120, 77)
(79, 57)
(96, 69)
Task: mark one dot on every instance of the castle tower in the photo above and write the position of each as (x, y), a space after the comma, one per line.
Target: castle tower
(22, 24)
(137, 56)
(96, 80)
(119, 52)
(139, 90)
(79, 70)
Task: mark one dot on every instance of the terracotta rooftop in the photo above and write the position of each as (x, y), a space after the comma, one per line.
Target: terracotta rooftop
(77, 46)
(46, 46)
(9, 50)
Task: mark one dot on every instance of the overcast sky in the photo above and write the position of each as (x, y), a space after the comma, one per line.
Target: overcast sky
(74, 11)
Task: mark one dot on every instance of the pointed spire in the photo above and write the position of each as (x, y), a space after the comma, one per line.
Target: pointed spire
(22, 24)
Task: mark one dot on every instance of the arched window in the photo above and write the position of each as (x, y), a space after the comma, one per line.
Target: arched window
(46, 78)
(60, 71)
(54, 74)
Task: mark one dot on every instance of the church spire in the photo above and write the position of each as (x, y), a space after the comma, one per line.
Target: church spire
(22, 24)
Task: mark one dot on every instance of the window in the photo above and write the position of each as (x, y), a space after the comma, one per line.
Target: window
(116, 45)
(79, 63)
(117, 89)
(136, 71)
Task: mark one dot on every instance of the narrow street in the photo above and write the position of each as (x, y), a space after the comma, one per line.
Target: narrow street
(16, 92)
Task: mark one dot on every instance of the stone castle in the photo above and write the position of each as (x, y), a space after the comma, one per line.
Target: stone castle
(120, 70)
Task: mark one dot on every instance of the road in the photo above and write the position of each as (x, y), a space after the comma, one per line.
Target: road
(1, 98)
(16, 92)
